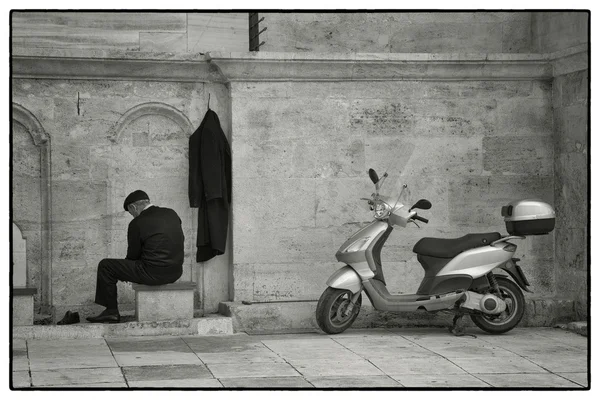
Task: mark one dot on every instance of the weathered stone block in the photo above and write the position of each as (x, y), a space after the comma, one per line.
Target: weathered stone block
(523, 116)
(570, 249)
(438, 37)
(571, 129)
(163, 41)
(74, 282)
(276, 119)
(574, 88)
(274, 202)
(478, 200)
(22, 307)
(78, 200)
(571, 282)
(516, 35)
(570, 185)
(445, 156)
(262, 244)
(423, 117)
(164, 302)
(26, 193)
(522, 155)
(290, 281)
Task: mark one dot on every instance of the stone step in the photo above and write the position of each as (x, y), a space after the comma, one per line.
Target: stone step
(212, 324)
(288, 316)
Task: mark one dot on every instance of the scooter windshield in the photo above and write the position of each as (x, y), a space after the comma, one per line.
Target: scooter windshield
(390, 193)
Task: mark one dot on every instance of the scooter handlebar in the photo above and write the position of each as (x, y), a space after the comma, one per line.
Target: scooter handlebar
(418, 218)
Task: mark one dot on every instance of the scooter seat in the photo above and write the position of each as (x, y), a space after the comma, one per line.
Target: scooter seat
(450, 248)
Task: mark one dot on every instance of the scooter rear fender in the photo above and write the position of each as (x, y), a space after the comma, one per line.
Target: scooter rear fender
(345, 278)
(517, 274)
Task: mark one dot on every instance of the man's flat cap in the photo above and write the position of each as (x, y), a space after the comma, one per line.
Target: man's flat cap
(135, 196)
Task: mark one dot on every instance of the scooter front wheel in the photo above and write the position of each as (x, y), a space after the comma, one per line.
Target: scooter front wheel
(335, 311)
(515, 308)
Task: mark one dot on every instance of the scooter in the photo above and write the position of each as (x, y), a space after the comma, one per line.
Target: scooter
(459, 273)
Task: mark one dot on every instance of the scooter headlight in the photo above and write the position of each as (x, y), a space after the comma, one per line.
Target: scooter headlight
(381, 210)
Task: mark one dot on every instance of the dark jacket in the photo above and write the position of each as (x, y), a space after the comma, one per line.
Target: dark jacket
(155, 237)
(210, 185)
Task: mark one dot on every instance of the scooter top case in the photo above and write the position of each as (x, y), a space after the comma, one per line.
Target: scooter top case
(529, 217)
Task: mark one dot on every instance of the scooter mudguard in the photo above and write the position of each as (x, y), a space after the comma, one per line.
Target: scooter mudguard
(517, 274)
(345, 278)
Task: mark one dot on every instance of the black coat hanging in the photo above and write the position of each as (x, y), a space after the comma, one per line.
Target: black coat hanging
(210, 185)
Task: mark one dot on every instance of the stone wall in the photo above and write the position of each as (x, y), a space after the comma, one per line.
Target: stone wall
(108, 138)
(400, 32)
(302, 149)
(172, 32)
(555, 31)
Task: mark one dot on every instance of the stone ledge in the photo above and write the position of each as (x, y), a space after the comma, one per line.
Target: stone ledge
(269, 66)
(24, 291)
(272, 66)
(205, 326)
(299, 316)
(171, 286)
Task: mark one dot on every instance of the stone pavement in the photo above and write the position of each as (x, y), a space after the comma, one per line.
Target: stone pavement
(366, 358)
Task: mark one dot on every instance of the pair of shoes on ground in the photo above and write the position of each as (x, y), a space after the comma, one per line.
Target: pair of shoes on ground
(69, 318)
(110, 316)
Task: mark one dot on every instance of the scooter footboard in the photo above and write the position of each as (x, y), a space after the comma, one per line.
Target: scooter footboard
(384, 301)
(345, 278)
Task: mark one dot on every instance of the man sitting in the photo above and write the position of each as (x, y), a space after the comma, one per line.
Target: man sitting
(154, 254)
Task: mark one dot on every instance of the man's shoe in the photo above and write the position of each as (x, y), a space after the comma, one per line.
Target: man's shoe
(69, 318)
(107, 316)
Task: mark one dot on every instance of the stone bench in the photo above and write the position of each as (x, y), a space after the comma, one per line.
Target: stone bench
(164, 302)
(22, 306)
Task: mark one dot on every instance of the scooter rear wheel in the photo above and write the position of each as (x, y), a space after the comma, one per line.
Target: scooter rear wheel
(332, 310)
(515, 308)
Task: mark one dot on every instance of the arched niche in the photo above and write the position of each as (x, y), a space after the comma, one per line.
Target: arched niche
(150, 108)
(41, 139)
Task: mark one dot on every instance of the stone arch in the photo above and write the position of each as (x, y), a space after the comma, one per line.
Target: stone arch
(31, 123)
(150, 108)
(41, 139)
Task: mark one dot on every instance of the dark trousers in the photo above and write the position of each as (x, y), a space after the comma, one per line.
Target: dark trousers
(111, 270)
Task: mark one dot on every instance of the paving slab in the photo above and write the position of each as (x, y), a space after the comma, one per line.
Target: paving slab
(217, 344)
(19, 344)
(477, 350)
(148, 344)
(354, 381)
(251, 370)
(75, 376)
(176, 383)
(279, 382)
(384, 347)
(140, 358)
(166, 372)
(20, 363)
(497, 365)
(580, 378)
(258, 355)
(449, 381)
(403, 366)
(565, 363)
(307, 348)
(21, 379)
(547, 380)
(106, 385)
(74, 353)
(334, 367)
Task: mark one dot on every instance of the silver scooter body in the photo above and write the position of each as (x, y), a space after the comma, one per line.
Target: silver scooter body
(361, 256)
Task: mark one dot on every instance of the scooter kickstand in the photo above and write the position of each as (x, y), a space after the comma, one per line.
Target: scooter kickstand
(458, 326)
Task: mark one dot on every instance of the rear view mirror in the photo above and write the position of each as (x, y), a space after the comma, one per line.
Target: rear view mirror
(422, 204)
(373, 175)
